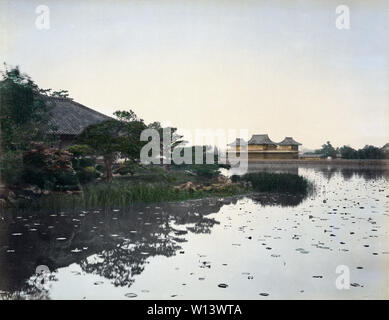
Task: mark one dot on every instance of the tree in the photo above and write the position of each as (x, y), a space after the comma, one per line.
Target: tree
(370, 152)
(115, 138)
(348, 152)
(132, 127)
(60, 94)
(24, 118)
(105, 140)
(169, 138)
(367, 152)
(327, 150)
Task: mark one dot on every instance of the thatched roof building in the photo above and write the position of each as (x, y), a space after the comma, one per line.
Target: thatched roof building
(69, 118)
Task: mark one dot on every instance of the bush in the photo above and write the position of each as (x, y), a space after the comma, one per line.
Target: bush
(83, 163)
(49, 168)
(208, 171)
(80, 150)
(87, 174)
(126, 168)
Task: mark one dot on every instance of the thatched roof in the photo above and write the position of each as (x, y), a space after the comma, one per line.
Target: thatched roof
(288, 141)
(238, 142)
(71, 118)
(261, 139)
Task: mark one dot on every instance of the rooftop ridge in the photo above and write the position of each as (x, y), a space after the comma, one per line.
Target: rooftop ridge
(261, 139)
(78, 104)
(70, 117)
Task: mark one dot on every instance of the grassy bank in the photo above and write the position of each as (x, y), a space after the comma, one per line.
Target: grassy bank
(163, 185)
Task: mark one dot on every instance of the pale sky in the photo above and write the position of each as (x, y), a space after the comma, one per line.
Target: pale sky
(278, 66)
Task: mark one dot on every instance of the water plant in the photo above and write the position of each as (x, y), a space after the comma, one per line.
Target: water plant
(116, 194)
(275, 182)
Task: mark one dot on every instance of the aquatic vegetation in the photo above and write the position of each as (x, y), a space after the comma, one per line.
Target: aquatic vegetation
(124, 192)
(118, 194)
(275, 182)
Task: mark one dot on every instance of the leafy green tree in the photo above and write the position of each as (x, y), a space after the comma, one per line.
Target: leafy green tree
(115, 138)
(169, 138)
(132, 127)
(327, 150)
(24, 114)
(105, 140)
(348, 152)
(24, 118)
(370, 152)
(367, 152)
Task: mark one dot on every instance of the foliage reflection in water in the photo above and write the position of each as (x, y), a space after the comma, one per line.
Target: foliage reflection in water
(266, 243)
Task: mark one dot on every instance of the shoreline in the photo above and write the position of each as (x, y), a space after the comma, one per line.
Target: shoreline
(349, 163)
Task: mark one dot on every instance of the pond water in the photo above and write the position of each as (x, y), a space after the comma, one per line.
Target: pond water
(256, 247)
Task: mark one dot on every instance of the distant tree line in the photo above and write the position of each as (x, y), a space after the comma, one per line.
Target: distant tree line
(367, 152)
(347, 152)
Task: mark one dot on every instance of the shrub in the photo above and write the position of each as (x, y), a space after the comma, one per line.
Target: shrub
(126, 168)
(49, 168)
(208, 171)
(87, 174)
(83, 163)
(80, 150)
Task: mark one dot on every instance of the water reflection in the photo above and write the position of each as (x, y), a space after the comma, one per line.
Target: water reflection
(283, 200)
(118, 245)
(113, 244)
(328, 171)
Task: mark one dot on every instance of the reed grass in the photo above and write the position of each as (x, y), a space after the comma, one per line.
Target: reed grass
(122, 193)
(114, 195)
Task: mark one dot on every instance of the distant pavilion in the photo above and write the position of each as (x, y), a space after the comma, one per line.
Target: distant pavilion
(261, 147)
